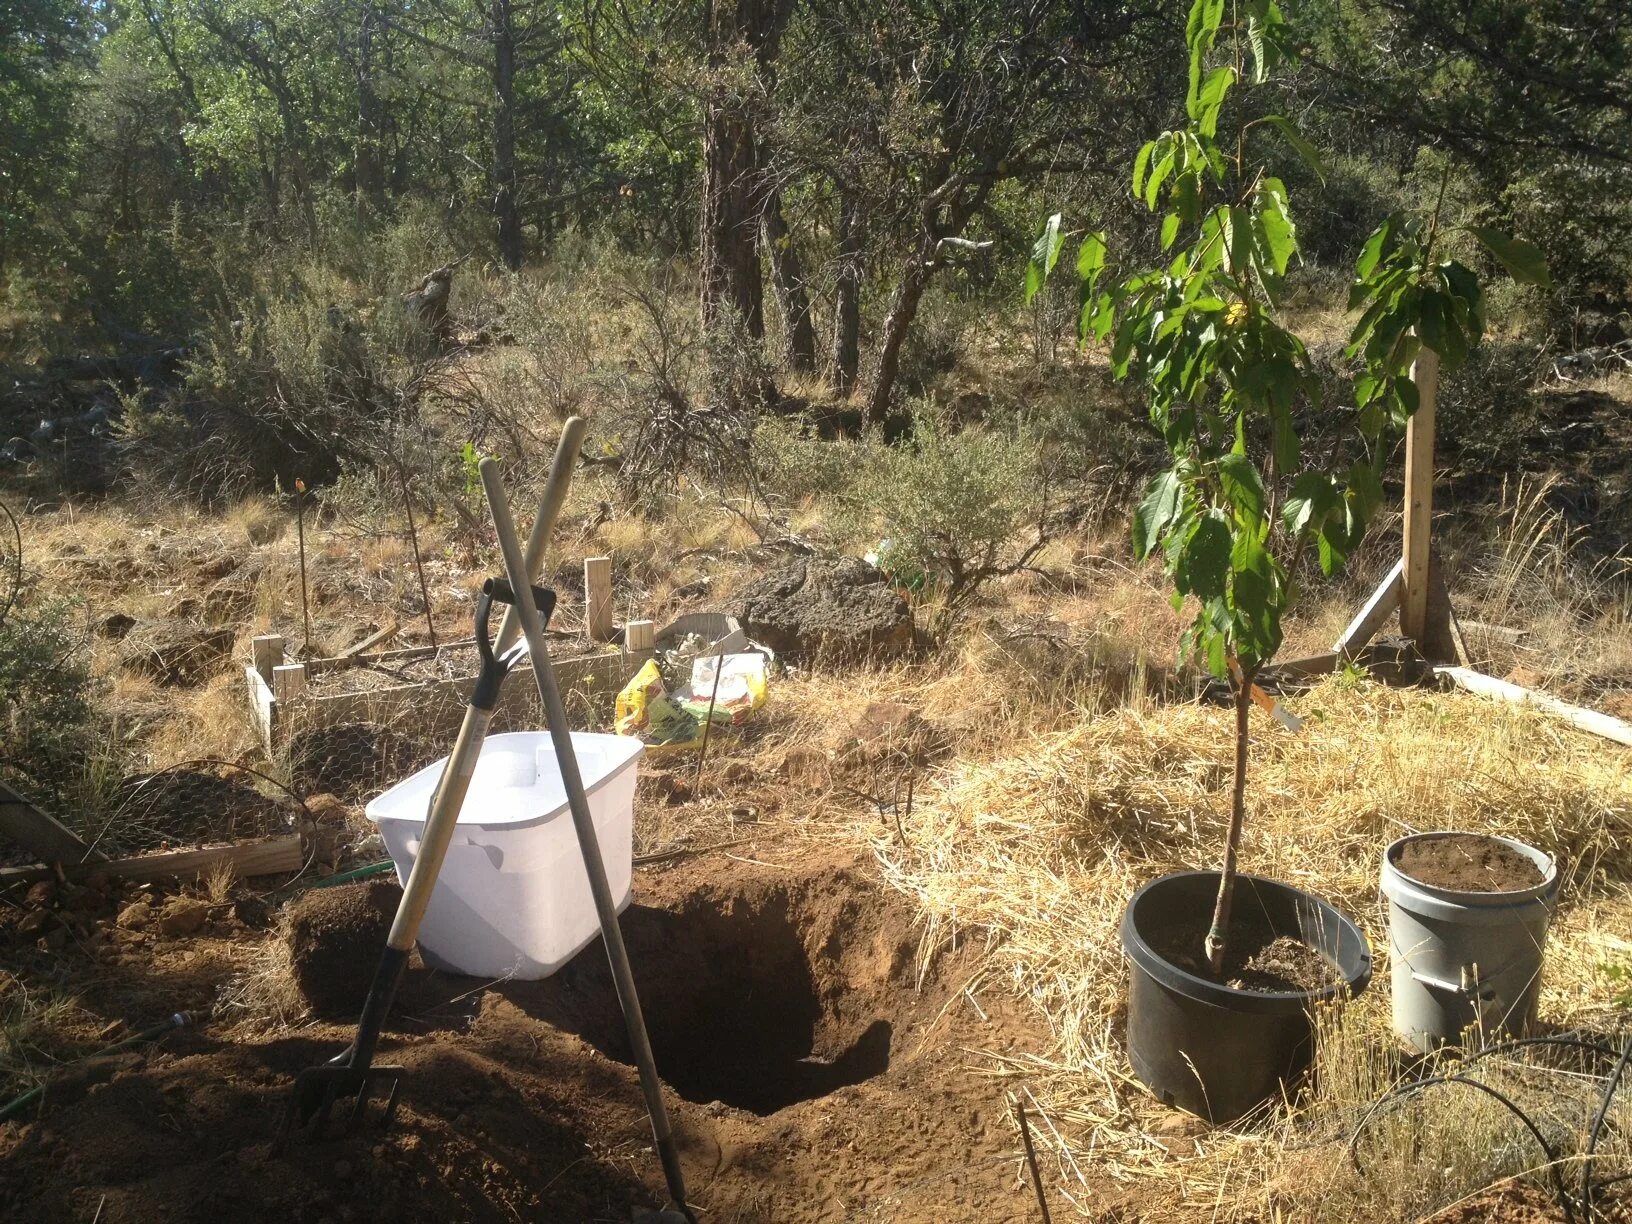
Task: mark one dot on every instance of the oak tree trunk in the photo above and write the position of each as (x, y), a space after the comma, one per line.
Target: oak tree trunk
(847, 298)
(369, 171)
(506, 210)
(733, 187)
(897, 323)
(791, 292)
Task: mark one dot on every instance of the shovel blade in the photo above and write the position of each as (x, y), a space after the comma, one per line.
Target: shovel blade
(334, 1100)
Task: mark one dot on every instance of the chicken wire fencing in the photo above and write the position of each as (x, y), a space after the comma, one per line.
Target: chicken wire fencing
(352, 741)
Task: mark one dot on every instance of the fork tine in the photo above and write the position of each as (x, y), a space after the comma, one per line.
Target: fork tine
(319, 1125)
(391, 1102)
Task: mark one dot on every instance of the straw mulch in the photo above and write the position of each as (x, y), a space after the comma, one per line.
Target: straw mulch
(1040, 851)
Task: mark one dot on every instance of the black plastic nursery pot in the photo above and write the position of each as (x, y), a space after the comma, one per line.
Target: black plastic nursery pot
(1212, 1049)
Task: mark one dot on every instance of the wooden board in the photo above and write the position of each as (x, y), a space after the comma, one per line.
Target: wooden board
(430, 706)
(1373, 613)
(1606, 725)
(274, 856)
(1440, 642)
(1312, 665)
(1419, 497)
(40, 833)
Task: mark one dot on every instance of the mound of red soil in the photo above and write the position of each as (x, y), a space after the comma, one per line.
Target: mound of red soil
(335, 936)
(816, 1074)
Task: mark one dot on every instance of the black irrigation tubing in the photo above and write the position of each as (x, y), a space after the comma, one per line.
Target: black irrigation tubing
(1589, 1187)
(1598, 1125)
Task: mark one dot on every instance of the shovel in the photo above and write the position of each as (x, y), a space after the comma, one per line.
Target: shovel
(351, 1075)
(532, 627)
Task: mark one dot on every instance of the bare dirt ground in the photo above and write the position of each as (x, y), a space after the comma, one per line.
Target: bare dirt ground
(819, 1061)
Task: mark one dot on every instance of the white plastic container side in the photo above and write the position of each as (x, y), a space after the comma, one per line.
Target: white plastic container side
(513, 898)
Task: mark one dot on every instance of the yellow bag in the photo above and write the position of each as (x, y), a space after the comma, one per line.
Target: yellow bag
(645, 710)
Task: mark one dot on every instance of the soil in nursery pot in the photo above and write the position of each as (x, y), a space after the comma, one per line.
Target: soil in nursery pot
(1256, 956)
(1466, 862)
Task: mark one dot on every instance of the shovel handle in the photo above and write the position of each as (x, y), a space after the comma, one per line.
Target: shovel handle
(588, 843)
(549, 509)
(449, 796)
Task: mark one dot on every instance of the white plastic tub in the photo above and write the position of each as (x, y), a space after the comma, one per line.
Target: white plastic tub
(513, 899)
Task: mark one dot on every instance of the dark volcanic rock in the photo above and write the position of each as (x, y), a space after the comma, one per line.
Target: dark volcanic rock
(827, 607)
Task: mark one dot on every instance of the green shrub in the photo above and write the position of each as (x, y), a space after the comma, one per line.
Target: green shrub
(283, 388)
(958, 508)
(792, 462)
(46, 692)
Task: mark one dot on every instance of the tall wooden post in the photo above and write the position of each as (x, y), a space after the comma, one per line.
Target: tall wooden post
(598, 598)
(1419, 499)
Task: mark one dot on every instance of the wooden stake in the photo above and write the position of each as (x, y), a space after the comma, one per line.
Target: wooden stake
(413, 540)
(288, 682)
(640, 638)
(300, 539)
(598, 598)
(267, 653)
(1415, 557)
(702, 749)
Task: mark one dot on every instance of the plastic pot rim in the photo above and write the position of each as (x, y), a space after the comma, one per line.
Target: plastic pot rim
(1394, 881)
(1274, 1002)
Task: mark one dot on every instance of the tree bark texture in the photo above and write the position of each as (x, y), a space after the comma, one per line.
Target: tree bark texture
(369, 173)
(506, 210)
(792, 294)
(946, 211)
(733, 187)
(1217, 942)
(847, 297)
(909, 292)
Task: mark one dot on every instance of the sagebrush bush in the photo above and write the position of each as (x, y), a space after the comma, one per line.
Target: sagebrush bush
(793, 462)
(958, 508)
(280, 388)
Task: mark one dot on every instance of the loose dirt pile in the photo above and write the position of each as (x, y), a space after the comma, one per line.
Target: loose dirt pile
(335, 936)
(1466, 862)
(817, 1069)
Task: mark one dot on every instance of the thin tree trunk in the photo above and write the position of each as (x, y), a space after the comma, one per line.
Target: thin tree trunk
(947, 210)
(792, 295)
(733, 191)
(369, 172)
(730, 229)
(1218, 935)
(903, 309)
(506, 210)
(847, 297)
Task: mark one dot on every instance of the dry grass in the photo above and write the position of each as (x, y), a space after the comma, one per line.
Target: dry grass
(1044, 846)
(263, 996)
(38, 1030)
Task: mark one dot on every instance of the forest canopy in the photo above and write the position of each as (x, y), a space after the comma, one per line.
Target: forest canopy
(822, 162)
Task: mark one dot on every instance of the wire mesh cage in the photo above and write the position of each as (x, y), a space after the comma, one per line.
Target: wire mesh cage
(194, 803)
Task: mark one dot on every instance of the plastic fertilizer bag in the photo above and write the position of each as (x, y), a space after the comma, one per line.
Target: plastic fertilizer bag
(741, 688)
(646, 711)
